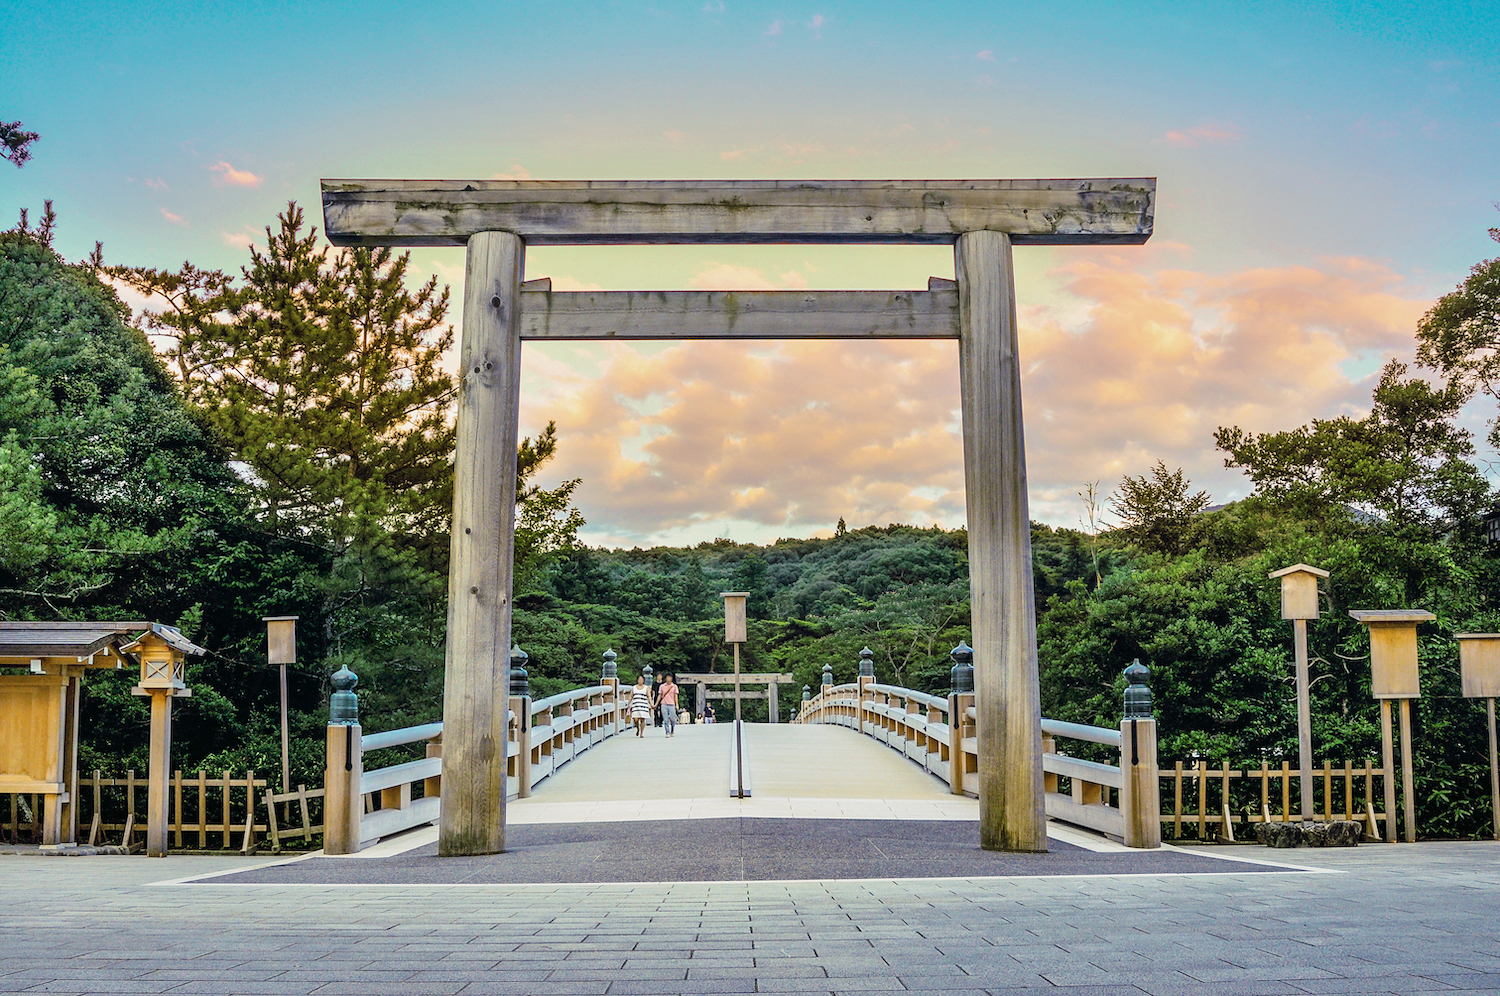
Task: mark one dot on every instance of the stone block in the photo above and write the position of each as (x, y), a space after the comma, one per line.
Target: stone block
(1279, 834)
(1336, 833)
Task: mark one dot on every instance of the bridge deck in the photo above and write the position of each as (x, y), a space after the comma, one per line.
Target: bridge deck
(809, 772)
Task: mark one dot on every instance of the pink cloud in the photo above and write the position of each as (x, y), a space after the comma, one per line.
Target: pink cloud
(775, 28)
(1187, 138)
(988, 55)
(231, 177)
(817, 22)
(1130, 367)
(175, 219)
(516, 172)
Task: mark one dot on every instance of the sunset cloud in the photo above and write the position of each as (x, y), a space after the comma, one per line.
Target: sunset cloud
(231, 177)
(784, 438)
(1202, 135)
(175, 219)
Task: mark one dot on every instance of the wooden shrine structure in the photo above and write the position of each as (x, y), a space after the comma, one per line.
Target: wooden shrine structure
(39, 711)
(497, 219)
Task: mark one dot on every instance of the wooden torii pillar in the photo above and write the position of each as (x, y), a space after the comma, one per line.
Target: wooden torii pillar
(497, 219)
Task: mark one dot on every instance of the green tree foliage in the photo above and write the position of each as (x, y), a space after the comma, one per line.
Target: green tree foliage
(15, 142)
(105, 472)
(322, 372)
(1156, 513)
(115, 502)
(1406, 462)
(1460, 336)
(118, 498)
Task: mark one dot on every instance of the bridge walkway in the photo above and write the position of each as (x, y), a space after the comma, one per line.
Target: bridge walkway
(816, 772)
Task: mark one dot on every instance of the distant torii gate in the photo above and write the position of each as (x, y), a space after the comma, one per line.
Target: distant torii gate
(497, 219)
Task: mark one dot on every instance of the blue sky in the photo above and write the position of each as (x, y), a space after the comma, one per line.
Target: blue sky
(1325, 171)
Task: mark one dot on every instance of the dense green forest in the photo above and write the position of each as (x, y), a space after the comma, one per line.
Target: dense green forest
(275, 443)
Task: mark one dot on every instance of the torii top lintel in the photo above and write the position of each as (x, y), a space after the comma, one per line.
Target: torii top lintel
(663, 212)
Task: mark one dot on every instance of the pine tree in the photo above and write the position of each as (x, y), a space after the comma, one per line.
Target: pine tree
(321, 372)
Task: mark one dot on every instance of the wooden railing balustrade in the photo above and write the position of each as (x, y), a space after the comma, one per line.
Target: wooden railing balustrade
(1114, 800)
(362, 806)
(1094, 794)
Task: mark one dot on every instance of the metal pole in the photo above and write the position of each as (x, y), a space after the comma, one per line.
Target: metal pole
(286, 766)
(736, 682)
(1304, 722)
(739, 754)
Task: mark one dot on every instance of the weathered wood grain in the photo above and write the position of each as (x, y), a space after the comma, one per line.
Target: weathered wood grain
(477, 678)
(649, 212)
(159, 767)
(1008, 717)
(629, 315)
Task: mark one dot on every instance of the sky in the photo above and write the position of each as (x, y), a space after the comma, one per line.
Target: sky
(1325, 171)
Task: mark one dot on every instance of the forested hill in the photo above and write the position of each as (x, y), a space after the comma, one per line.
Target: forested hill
(901, 590)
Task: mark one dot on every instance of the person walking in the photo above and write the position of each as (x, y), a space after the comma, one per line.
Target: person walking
(666, 702)
(640, 705)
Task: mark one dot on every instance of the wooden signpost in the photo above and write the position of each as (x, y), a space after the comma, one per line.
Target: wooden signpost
(1394, 675)
(1299, 603)
(981, 219)
(1479, 667)
(281, 650)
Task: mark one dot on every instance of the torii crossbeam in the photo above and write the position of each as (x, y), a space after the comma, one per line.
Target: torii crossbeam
(497, 219)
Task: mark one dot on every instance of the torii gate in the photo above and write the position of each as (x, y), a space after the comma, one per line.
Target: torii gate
(497, 219)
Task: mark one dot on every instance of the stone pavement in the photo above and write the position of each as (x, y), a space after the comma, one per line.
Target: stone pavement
(1384, 919)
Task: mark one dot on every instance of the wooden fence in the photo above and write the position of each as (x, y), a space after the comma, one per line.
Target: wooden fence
(1194, 806)
(206, 812)
(294, 823)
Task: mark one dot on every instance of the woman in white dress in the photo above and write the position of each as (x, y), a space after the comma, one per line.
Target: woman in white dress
(640, 705)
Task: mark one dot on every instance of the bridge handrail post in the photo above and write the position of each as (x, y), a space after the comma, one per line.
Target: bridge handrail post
(960, 701)
(344, 767)
(520, 732)
(1140, 793)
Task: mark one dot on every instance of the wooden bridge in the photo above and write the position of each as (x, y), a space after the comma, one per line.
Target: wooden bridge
(569, 760)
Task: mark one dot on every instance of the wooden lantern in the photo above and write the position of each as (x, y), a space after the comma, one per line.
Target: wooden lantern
(1299, 591)
(161, 661)
(1393, 650)
(1479, 664)
(734, 615)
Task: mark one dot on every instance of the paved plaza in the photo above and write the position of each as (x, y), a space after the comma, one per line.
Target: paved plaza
(1374, 919)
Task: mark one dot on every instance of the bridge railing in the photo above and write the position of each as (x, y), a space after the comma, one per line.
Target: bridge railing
(938, 734)
(361, 806)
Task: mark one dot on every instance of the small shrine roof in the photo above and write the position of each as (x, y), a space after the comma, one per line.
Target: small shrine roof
(29, 640)
(173, 637)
